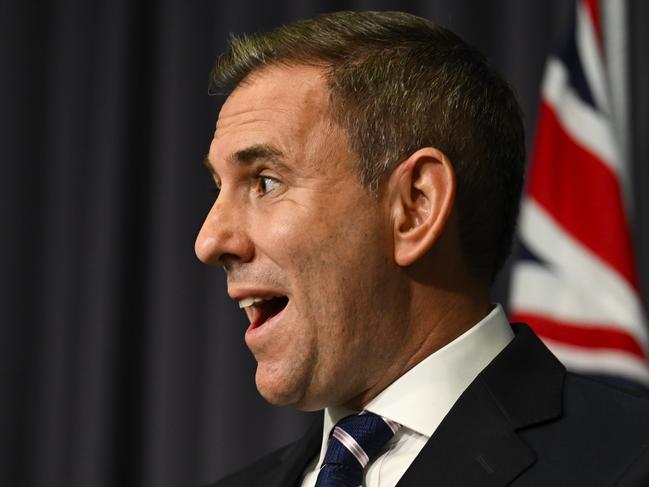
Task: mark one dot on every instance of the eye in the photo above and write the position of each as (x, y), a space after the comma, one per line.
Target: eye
(266, 184)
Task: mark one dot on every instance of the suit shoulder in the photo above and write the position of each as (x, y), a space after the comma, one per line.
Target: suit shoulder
(609, 413)
(254, 473)
(615, 419)
(606, 398)
(601, 437)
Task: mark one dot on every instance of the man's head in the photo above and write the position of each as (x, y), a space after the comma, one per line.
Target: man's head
(398, 83)
(370, 166)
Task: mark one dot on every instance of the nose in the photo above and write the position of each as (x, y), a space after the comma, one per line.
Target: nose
(223, 238)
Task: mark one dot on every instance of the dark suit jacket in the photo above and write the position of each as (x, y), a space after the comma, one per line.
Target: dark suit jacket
(523, 422)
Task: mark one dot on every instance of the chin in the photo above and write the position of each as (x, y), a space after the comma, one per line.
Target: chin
(296, 398)
(278, 390)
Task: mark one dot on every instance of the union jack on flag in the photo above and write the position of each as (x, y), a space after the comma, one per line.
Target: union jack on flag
(575, 281)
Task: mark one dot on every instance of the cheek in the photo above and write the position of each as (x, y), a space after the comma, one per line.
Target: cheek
(336, 298)
(280, 232)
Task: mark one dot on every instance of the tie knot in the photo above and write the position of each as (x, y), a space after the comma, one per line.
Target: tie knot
(354, 442)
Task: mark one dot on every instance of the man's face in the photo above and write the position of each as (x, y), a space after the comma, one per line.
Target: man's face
(299, 237)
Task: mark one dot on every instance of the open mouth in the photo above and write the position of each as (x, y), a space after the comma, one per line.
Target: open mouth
(261, 310)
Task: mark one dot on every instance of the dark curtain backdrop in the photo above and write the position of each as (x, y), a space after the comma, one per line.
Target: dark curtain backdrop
(122, 360)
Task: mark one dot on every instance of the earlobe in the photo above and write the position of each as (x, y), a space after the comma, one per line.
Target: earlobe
(422, 192)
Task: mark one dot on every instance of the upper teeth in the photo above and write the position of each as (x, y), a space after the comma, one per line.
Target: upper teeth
(245, 302)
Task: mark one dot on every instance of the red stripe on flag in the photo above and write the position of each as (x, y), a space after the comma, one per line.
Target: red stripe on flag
(587, 336)
(592, 7)
(581, 193)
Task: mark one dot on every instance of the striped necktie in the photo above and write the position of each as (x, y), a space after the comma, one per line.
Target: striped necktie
(354, 442)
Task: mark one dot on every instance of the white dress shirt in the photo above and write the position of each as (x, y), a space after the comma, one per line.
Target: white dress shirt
(420, 399)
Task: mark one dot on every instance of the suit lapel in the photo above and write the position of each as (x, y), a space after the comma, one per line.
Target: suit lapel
(477, 444)
(295, 459)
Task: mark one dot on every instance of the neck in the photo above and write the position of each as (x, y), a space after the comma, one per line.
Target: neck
(438, 316)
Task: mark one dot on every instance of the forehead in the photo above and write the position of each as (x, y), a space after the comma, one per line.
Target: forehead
(279, 86)
(277, 105)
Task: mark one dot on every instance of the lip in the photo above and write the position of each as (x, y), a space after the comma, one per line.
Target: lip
(256, 333)
(240, 292)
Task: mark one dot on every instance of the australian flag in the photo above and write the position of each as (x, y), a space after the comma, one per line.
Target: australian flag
(575, 281)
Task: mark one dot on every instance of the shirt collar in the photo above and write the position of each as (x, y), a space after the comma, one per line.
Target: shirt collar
(421, 398)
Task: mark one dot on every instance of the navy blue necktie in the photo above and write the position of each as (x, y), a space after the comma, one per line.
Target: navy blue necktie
(354, 442)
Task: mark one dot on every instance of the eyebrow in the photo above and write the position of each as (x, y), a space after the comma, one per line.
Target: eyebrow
(250, 155)
(257, 152)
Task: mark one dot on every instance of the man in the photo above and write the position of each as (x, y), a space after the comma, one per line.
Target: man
(369, 167)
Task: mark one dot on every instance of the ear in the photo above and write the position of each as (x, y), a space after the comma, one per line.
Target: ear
(421, 195)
